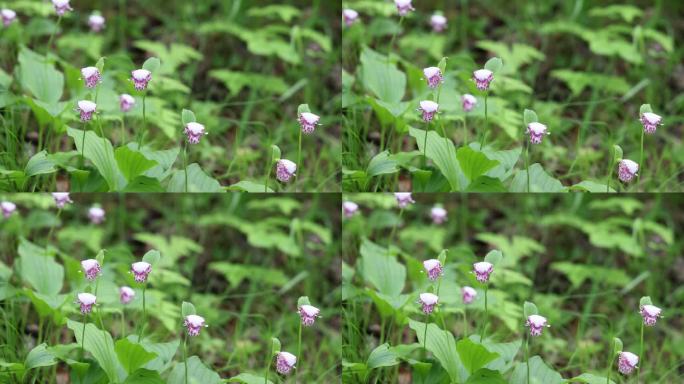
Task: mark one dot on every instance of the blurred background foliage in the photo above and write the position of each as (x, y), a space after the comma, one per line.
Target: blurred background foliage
(242, 261)
(584, 260)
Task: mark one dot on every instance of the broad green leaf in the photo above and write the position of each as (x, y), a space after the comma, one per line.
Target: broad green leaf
(381, 164)
(474, 164)
(381, 77)
(486, 184)
(589, 378)
(578, 81)
(442, 345)
(187, 116)
(645, 300)
(152, 256)
(131, 355)
(39, 356)
(164, 351)
(198, 373)
(100, 257)
(382, 270)
(275, 153)
(39, 164)
(100, 64)
(249, 186)
(442, 152)
(198, 181)
(473, 355)
(187, 309)
(303, 108)
(99, 343)
(132, 163)
(40, 77)
(442, 65)
(276, 346)
(540, 373)
(248, 378)
(236, 273)
(645, 108)
(486, 376)
(144, 184)
(617, 153)
(382, 356)
(152, 64)
(494, 64)
(529, 309)
(578, 273)
(529, 116)
(144, 376)
(627, 12)
(38, 269)
(540, 181)
(237, 81)
(617, 343)
(303, 300)
(591, 186)
(101, 153)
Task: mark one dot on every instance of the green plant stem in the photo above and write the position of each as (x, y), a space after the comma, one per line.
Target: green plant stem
(52, 228)
(611, 162)
(268, 173)
(123, 130)
(527, 356)
(427, 319)
(185, 355)
(484, 324)
(141, 132)
(465, 323)
(185, 165)
(394, 37)
(142, 324)
(85, 128)
(85, 320)
(641, 353)
(299, 160)
(52, 35)
(299, 351)
(610, 361)
(484, 135)
(465, 129)
(427, 129)
(123, 322)
(268, 366)
(527, 165)
(394, 229)
(641, 159)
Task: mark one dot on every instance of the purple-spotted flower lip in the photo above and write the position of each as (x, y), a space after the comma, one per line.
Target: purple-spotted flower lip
(650, 121)
(650, 313)
(349, 208)
(428, 301)
(482, 270)
(308, 314)
(627, 169)
(403, 7)
(285, 169)
(140, 270)
(429, 106)
(126, 294)
(194, 131)
(433, 75)
(140, 78)
(86, 108)
(469, 294)
(96, 22)
(91, 76)
(308, 121)
(194, 323)
(61, 6)
(350, 16)
(285, 361)
(91, 268)
(8, 208)
(86, 300)
(482, 78)
(536, 131)
(8, 16)
(433, 268)
(627, 361)
(536, 323)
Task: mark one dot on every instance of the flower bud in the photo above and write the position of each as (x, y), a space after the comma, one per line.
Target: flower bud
(126, 295)
(96, 22)
(469, 102)
(469, 294)
(482, 271)
(126, 102)
(482, 78)
(627, 169)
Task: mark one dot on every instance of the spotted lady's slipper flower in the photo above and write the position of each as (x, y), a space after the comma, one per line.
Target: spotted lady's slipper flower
(429, 108)
(627, 361)
(536, 131)
(350, 17)
(433, 268)
(308, 121)
(126, 102)
(126, 294)
(91, 268)
(482, 78)
(8, 208)
(428, 301)
(96, 22)
(61, 6)
(285, 361)
(86, 108)
(403, 6)
(469, 102)
(140, 78)
(438, 23)
(308, 313)
(285, 169)
(91, 76)
(482, 271)
(194, 131)
(438, 215)
(403, 199)
(627, 169)
(86, 300)
(433, 75)
(8, 17)
(536, 324)
(140, 270)
(650, 121)
(194, 324)
(650, 313)
(349, 208)
(96, 215)
(61, 199)
(469, 294)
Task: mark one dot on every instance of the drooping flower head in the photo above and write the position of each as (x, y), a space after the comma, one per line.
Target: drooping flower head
(349, 208)
(96, 215)
(140, 78)
(194, 324)
(86, 108)
(650, 121)
(86, 300)
(627, 361)
(438, 215)
(469, 294)
(91, 76)
(536, 324)
(8, 208)
(285, 169)
(96, 22)
(350, 16)
(403, 6)
(469, 102)
(428, 300)
(61, 199)
(429, 108)
(308, 313)
(403, 199)
(61, 6)
(482, 271)
(194, 131)
(126, 294)
(140, 270)
(91, 268)
(438, 22)
(536, 131)
(650, 313)
(433, 268)
(627, 169)
(308, 121)
(433, 75)
(126, 102)
(482, 78)
(285, 361)
(8, 17)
